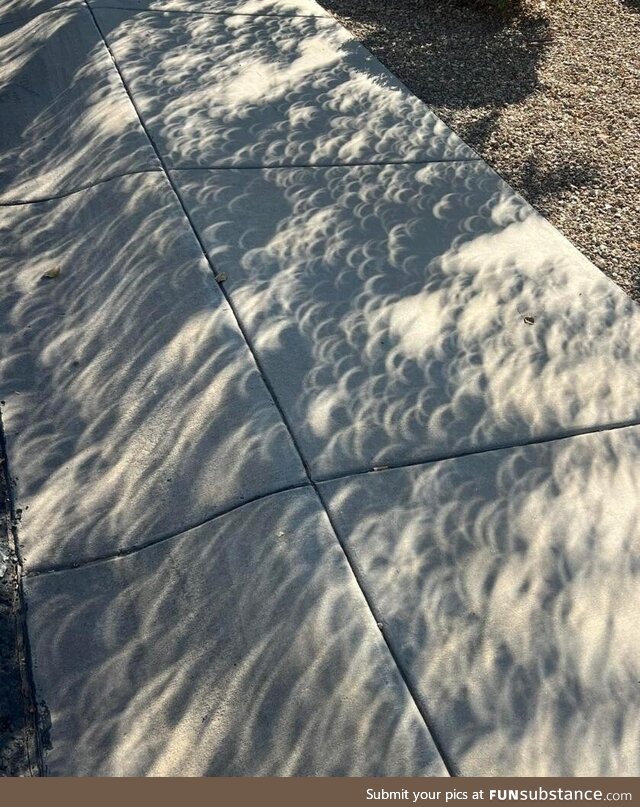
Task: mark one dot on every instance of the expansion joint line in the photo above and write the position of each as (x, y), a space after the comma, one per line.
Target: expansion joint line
(192, 13)
(425, 716)
(569, 434)
(160, 539)
(80, 188)
(322, 166)
(314, 484)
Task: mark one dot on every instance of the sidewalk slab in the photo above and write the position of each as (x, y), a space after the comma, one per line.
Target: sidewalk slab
(251, 7)
(405, 313)
(508, 585)
(243, 648)
(68, 121)
(133, 408)
(246, 91)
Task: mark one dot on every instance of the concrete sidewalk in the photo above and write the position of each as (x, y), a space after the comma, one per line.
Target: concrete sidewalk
(325, 442)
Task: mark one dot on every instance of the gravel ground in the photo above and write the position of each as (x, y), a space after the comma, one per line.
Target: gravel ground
(549, 96)
(13, 748)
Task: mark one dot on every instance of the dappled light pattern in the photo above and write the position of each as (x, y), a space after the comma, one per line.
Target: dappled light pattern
(400, 312)
(67, 121)
(278, 7)
(244, 91)
(244, 647)
(133, 406)
(509, 587)
(18, 9)
(405, 313)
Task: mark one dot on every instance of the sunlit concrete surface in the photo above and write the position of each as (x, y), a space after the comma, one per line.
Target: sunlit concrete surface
(133, 406)
(252, 7)
(508, 584)
(389, 308)
(244, 647)
(21, 9)
(67, 121)
(271, 90)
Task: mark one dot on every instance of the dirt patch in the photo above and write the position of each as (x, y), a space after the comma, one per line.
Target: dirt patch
(549, 97)
(14, 732)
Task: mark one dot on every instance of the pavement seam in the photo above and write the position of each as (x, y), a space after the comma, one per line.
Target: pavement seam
(535, 441)
(422, 710)
(310, 484)
(412, 694)
(65, 194)
(381, 164)
(132, 550)
(214, 13)
(61, 9)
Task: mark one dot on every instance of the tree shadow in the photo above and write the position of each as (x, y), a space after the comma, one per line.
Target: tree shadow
(21, 10)
(133, 411)
(545, 182)
(133, 407)
(464, 58)
(283, 8)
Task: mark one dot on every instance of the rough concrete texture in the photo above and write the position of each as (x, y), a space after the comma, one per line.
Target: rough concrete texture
(405, 313)
(133, 406)
(250, 7)
(243, 647)
(508, 585)
(245, 91)
(68, 122)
